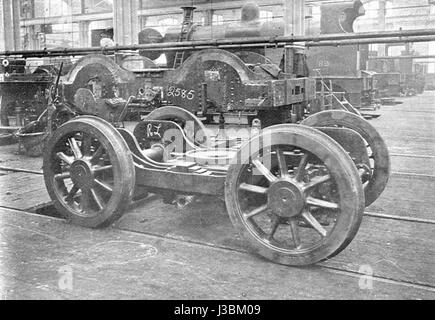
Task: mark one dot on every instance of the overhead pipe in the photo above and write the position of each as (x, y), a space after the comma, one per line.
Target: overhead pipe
(371, 41)
(309, 41)
(401, 57)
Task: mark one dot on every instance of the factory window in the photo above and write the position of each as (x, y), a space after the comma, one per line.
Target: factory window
(49, 8)
(199, 18)
(166, 23)
(59, 36)
(26, 9)
(266, 15)
(218, 19)
(91, 6)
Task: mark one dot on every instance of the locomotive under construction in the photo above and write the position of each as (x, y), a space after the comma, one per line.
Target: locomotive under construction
(220, 86)
(295, 183)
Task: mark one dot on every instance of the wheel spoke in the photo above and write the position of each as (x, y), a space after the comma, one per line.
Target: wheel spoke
(275, 226)
(62, 156)
(103, 185)
(314, 223)
(282, 162)
(86, 144)
(97, 154)
(252, 188)
(301, 167)
(264, 171)
(62, 176)
(322, 203)
(70, 197)
(75, 148)
(295, 232)
(315, 182)
(85, 200)
(255, 211)
(97, 199)
(102, 168)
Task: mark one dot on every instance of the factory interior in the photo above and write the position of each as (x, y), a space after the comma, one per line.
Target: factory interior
(217, 150)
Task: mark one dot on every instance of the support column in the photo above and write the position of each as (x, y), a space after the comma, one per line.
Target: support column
(31, 39)
(208, 17)
(16, 24)
(294, 17)
(125, 21)
(10, 25)
(84, 39)
(2, 28)
(294, 23)
(381, 25)
(143, 22)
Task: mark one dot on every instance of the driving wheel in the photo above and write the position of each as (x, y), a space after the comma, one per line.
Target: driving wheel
(311, 205)
(376, 147)
(89, 172)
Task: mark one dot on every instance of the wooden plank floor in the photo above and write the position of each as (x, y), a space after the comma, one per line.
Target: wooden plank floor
(198, 243)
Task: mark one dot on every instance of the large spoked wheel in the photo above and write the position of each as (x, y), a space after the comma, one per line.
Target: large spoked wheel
(89, 172)
(376, 147)
(307, 209)
(195, 130)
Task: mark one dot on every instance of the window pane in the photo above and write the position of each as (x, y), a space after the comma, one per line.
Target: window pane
(92, 6)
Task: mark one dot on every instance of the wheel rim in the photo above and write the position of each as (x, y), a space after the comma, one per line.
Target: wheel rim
(290, 202)
(305, 208)
(88, 172)
(192, 126)
(377, 150)
(84, 179)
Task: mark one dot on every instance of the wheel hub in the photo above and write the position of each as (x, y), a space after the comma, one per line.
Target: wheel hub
(285, 198)
(82, 174)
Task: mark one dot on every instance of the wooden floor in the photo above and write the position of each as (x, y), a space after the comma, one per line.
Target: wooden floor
(159, 251)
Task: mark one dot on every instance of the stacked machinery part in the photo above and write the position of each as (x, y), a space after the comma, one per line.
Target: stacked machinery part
(342, 66)
(23, 95)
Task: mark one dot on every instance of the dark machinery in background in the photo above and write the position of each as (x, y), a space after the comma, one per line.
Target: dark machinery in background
(219, 86)
(351, 69)
(342, 70)
(401, 76)
(23, 95)
(24, 98)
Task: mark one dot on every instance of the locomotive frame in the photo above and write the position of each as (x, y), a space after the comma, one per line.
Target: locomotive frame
(314, 182)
